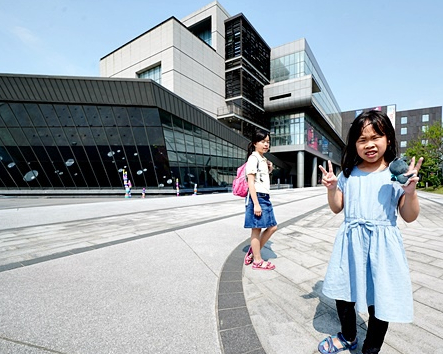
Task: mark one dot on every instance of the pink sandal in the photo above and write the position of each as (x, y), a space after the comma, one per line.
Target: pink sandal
(263, 266)
(249, 256)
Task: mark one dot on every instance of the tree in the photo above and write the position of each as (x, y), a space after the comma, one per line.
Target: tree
(429, 144)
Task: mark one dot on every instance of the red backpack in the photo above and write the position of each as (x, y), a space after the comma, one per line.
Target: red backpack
(240, 182)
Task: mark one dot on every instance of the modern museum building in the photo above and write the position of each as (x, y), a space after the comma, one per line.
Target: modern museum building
(176, 104)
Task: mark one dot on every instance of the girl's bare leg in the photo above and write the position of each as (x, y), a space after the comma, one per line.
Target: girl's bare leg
(256, 244)
(266, 235)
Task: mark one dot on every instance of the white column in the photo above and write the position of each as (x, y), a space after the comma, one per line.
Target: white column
(300, 169)
(314, 172)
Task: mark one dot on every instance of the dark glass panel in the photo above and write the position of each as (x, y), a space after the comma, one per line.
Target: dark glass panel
(72, 135)
(175, 173)
(172, 156)
(147, 163)
(135, 116)
(190, 158)
(165, 117)
(112, 135)
(21, 114)
(107, 116)
(5, 178)
(161, 163)
(59, 137)
(181, 178)
(35, 114)
(189, 142)
(111, 177)
(199, 160)
(92, 116)
(6, 137)
(177, 124)
(53, 153)
(99, 135)
(169, 139)
(8, 118)
(198, 145)
(18, 136)
(85, 136)
(32, 136)
(4, 155)
(14, 154)
(126, 137)
(155, 136)
(45, 135)
(206, 147)
(182, 158)
(17, 172)
(64, 115)
(191, 177)
(45, 165)
(121, 116)
(96, 176)
(31, 161)
(140, 136)
(50, 115)
(180, 143)
(78, 116)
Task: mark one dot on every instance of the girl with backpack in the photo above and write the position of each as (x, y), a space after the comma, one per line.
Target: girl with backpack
(259, 212)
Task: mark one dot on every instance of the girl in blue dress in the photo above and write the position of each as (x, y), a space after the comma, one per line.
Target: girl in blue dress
(368, 270)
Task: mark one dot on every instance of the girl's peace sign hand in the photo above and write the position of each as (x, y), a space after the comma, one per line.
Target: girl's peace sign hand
(410, 185)
(329, 179)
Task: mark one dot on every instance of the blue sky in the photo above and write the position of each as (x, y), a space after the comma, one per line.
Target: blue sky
(372, 53)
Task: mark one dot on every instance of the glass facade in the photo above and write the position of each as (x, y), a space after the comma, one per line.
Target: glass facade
(206, 36)
(154, 74)
(297, 65)
(197, 156)
(44, 145)
(300, 129)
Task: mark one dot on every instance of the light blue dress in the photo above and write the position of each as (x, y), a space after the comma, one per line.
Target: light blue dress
(368, 263)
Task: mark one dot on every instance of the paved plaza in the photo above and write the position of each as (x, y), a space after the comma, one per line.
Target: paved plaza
(166, 275)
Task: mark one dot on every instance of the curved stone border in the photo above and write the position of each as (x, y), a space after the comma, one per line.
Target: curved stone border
(236, 332)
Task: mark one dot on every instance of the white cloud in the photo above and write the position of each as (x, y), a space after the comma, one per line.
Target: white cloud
(26, 36)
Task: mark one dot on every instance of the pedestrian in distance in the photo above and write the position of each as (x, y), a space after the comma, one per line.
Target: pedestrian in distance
(259, 213)
(368, 269)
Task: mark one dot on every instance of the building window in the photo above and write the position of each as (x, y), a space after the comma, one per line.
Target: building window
(206, 37)
(203, 30)
(425, 118)
(403, 144)
(404, 131)
(424, 142)
(424, 128)
(404, 120)
(154, 74)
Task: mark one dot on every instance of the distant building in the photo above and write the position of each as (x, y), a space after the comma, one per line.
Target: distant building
(222, 65)
(408, 124)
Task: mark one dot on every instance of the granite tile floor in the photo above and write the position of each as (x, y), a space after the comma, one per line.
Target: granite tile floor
(166, 275)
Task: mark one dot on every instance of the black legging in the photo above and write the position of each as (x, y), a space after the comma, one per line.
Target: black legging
(375, 334)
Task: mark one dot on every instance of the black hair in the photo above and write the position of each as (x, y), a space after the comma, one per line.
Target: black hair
(382, 126)
(258, 135)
